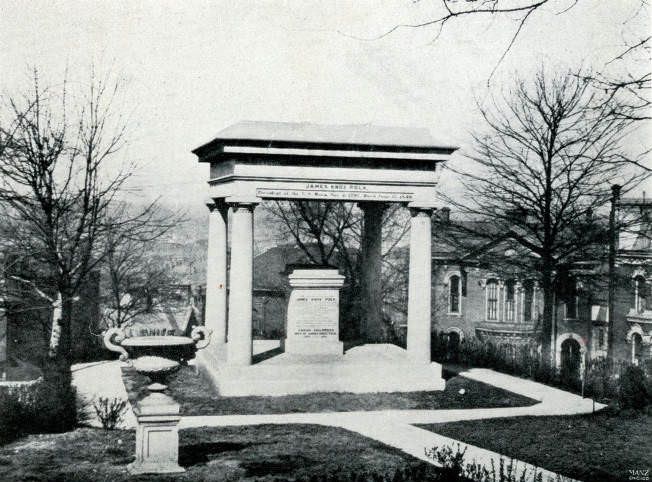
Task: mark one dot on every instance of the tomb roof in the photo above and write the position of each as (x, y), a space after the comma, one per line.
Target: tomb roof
(305, 134)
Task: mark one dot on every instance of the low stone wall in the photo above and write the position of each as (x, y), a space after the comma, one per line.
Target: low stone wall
(24, 390)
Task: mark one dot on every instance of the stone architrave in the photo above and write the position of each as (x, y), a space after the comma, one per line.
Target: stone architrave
(313, 312)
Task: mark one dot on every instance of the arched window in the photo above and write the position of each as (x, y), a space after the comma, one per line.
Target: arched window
(510, 302)
(641, 297)
(454, 294)
(492, 300)
(528, 299)
(637, 346)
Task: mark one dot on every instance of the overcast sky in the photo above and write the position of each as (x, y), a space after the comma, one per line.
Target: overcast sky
(193, 68)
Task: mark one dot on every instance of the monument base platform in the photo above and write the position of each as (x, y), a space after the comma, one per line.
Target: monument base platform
(362, 369)
(313, 348)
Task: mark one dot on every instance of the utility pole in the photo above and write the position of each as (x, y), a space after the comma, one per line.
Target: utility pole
(615, 196)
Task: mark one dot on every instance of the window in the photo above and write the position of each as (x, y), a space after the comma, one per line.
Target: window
(510, 293)
(454, 286)
(600, 338)
(528, 298)
(492, 300)
(570, 299)
(571, 308)
(640, 294)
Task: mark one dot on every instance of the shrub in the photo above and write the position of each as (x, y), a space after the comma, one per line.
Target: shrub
(603, 378)
(454, 469)
(633, 391)
(37, 408)
(451, 462)
(110, 411)
(10, 416)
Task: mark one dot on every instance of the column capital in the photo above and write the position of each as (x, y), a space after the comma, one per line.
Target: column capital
(214, 204)
(421, 207)
(248, 202)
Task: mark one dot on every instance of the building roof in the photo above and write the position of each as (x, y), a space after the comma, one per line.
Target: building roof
(305, 134)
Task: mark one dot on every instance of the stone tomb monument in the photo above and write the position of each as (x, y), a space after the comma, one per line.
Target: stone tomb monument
(313, 322)
(253, 162)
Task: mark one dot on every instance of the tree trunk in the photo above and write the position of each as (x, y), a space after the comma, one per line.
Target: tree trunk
(548, 316)
(57, 369)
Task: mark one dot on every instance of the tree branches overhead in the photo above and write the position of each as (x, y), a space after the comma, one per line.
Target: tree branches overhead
(551, 149)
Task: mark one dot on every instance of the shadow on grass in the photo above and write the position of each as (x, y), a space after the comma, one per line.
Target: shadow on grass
(201, 453)
(280, 464)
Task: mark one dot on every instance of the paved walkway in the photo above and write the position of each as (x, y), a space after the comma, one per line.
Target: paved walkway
(391, 427)
(101, 379)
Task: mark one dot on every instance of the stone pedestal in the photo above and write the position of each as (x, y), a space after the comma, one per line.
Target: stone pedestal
(313, 313)
(157, 436)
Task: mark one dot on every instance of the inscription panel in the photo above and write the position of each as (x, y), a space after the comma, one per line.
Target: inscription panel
(316, 317)
(353, 192)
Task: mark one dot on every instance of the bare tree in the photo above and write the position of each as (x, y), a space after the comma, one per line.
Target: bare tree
(58, 179)
(133, 275)
(331, 233)
(543, 165)
(325, 232)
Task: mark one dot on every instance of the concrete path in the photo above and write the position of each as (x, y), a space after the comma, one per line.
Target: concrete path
(101, 379)
(391, 427)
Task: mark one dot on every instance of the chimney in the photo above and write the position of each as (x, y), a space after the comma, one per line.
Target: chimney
(445, 215)
(517, 215)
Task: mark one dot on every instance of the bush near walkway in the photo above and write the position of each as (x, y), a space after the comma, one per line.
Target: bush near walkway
(41, 407)
(605, 380)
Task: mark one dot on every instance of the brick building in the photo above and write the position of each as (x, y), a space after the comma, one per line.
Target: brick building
(485, 290)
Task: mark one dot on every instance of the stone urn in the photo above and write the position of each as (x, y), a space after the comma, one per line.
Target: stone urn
(177, 348)
(158, 415)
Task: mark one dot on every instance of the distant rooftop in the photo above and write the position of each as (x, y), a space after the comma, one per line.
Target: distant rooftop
(636, 202)
(305, 134)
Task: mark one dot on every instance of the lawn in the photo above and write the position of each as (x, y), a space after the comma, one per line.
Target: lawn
(197, 397)
(261, 453)
(599, 447)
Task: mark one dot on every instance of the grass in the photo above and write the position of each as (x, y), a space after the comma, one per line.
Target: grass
(594, 447)
(261, 453)
(197, 397)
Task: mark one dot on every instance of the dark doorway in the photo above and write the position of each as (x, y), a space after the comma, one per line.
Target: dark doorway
(570, 359)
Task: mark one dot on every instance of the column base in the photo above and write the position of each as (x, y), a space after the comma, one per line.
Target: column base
(137, 468)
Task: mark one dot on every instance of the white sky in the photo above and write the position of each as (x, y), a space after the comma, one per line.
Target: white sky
(196, 67)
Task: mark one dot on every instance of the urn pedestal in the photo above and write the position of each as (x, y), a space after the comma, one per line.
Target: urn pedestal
(157, 436)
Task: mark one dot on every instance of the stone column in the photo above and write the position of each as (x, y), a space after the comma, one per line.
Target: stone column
(239, 349)
(419, 287)
(373, 329)
(215, 318)
(3, 333)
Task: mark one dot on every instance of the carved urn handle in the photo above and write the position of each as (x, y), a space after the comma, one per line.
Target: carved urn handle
(113, 337)
(201, 336)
